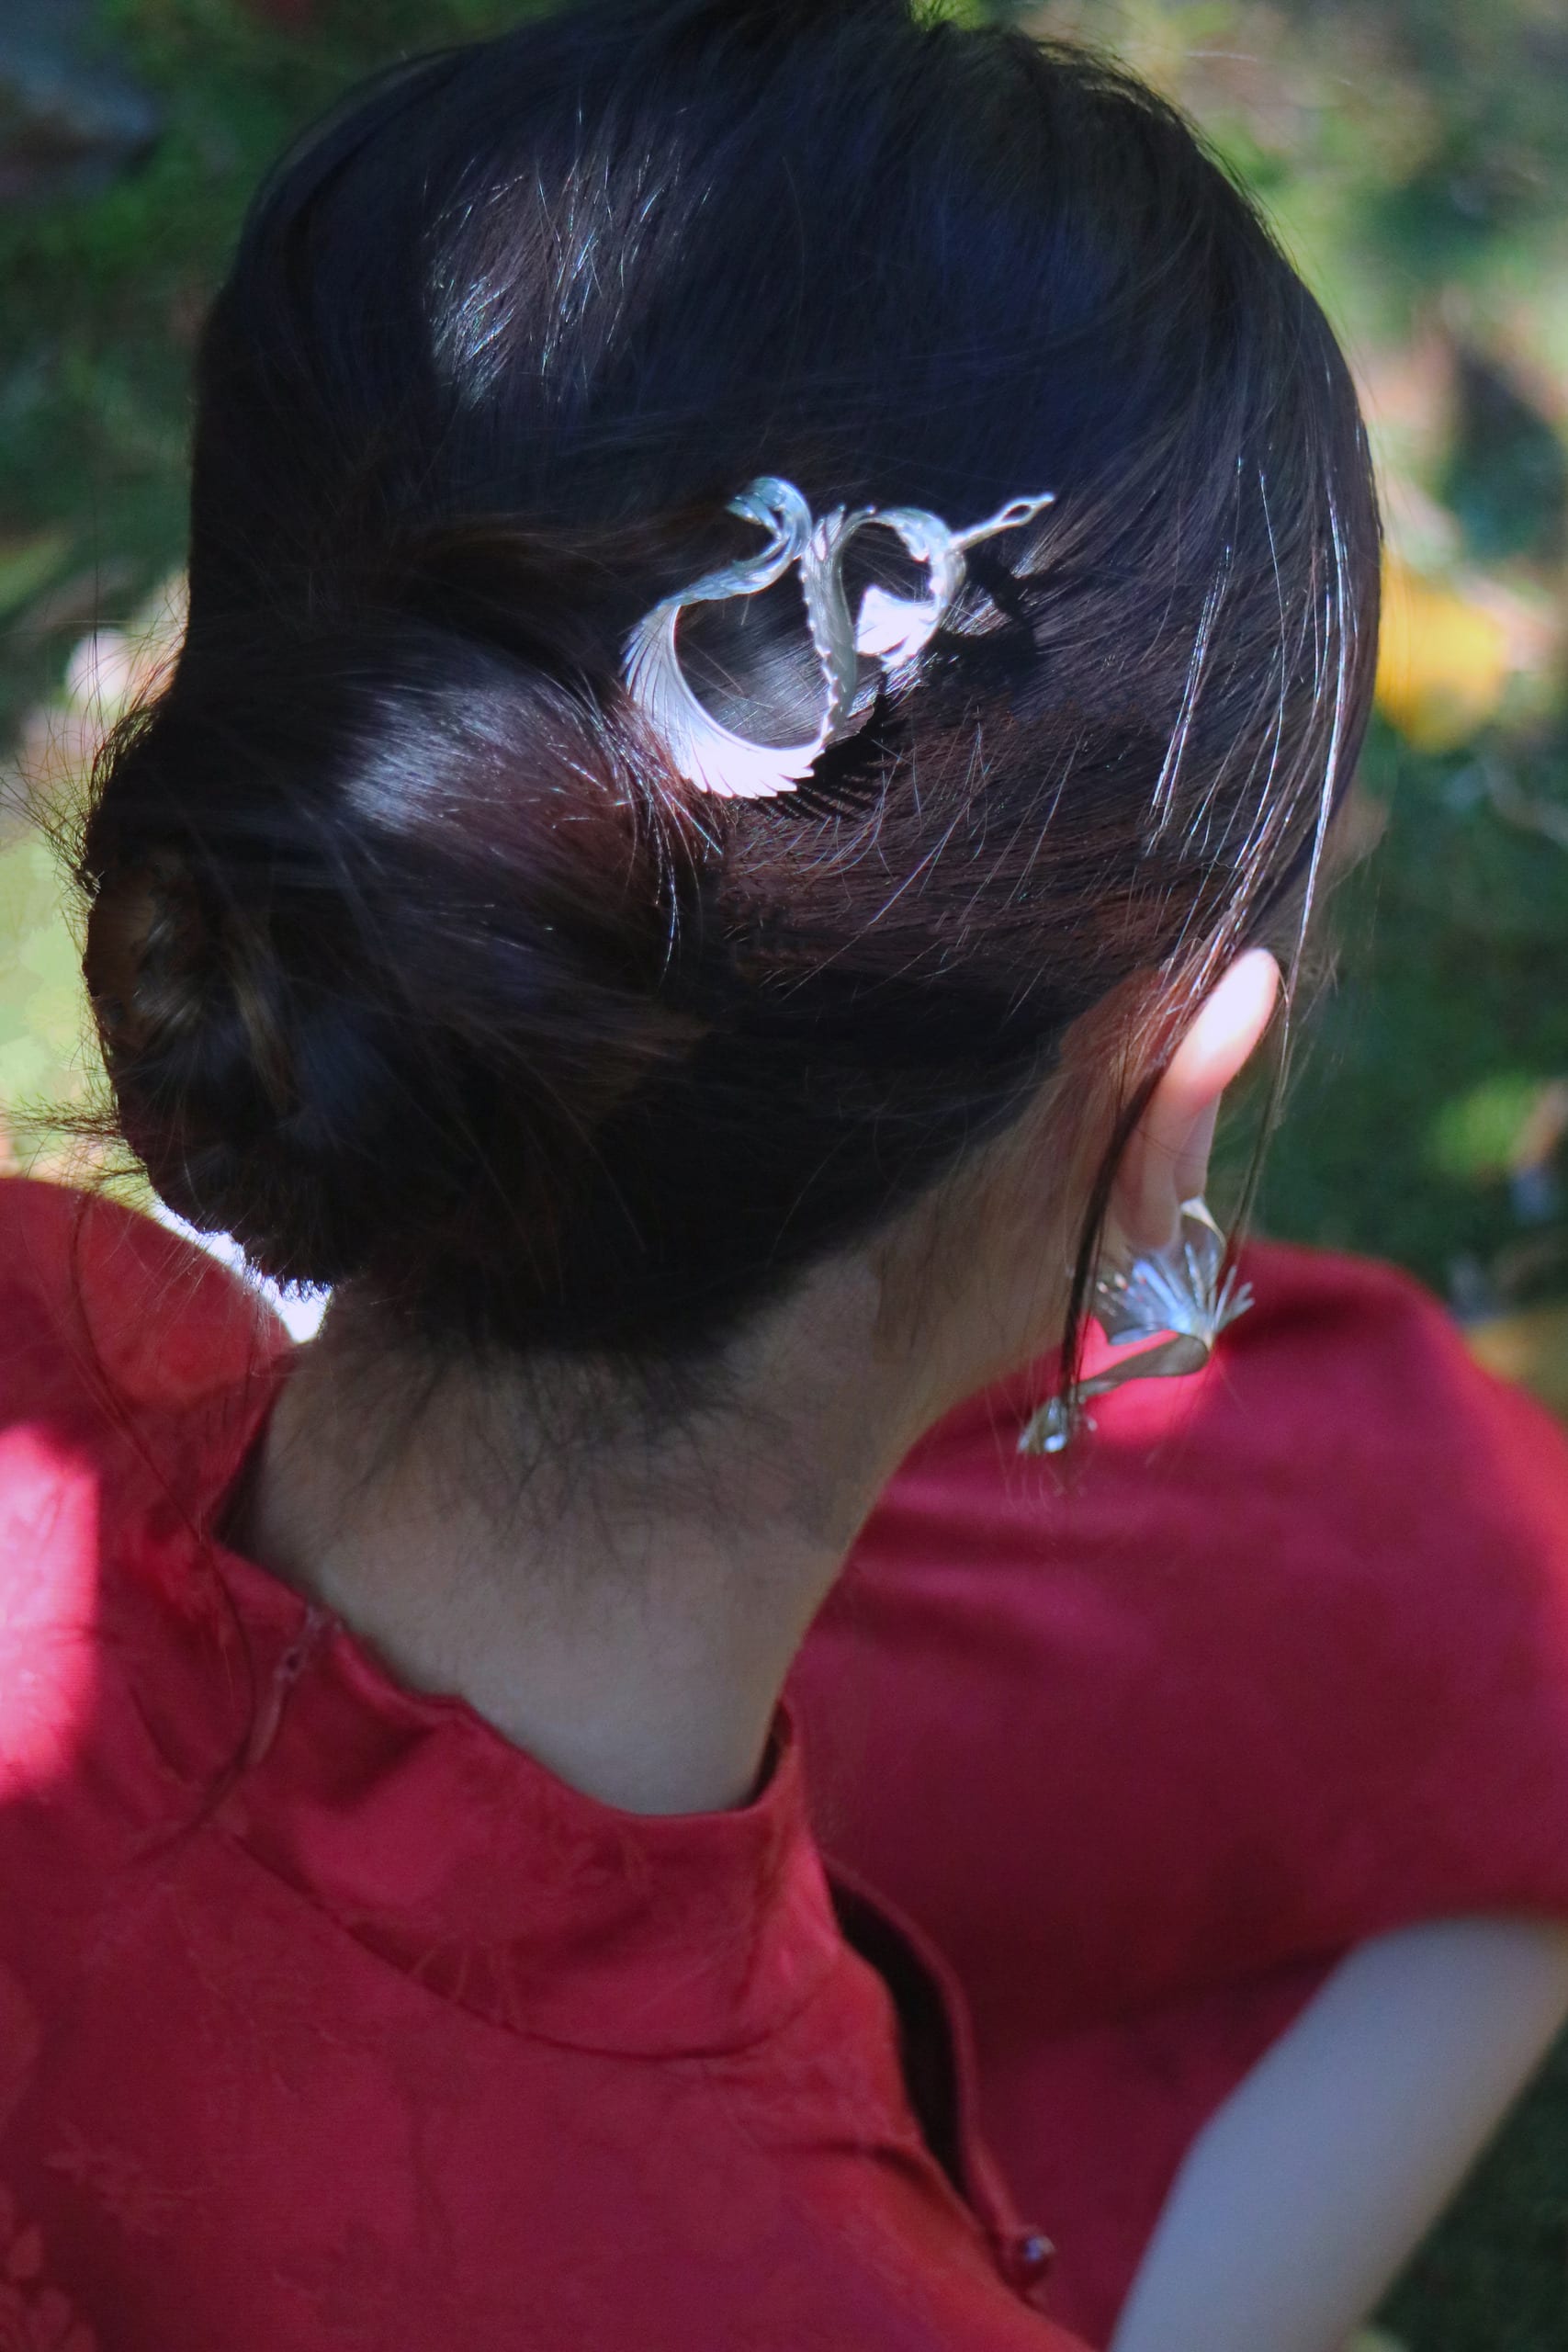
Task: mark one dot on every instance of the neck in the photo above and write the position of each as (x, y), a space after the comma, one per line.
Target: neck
(622, 1598)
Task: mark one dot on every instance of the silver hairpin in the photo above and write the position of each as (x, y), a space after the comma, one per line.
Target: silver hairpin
(890, 630)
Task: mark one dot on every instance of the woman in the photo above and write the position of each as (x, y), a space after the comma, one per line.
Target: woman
(781, 598)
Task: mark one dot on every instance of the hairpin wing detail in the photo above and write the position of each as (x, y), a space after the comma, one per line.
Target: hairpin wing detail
(706, 753)
(895, 630)
(889, 629)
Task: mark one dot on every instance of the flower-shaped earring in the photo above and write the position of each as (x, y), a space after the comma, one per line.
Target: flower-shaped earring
(1178, 1299)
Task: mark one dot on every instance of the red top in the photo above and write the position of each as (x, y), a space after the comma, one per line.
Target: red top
(402, 2039)
(1284, 1665)
(363, 2029)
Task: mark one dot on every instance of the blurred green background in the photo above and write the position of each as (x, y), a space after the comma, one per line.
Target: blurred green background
(1413, 154)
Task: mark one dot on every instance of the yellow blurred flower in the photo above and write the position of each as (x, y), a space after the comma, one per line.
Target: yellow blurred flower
(1443, 661)
(1530, 1347)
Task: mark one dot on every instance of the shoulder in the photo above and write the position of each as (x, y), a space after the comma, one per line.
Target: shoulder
(1344, 1374)
(1307, 1295)
(1358, 1375)
(130, 1367)
(96, 1300)
(1342, 1439)
(112, 1332)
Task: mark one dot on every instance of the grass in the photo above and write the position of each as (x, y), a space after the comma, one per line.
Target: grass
(1491, 2278)
(1450, 1018)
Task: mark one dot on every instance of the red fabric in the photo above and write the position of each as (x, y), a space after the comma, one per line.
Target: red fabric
(329, 2019)
(1283, 1665)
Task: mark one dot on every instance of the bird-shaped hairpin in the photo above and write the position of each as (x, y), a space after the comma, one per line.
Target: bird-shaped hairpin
(890, 629)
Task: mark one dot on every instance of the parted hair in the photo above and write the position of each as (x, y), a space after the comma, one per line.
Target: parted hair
(414, 960)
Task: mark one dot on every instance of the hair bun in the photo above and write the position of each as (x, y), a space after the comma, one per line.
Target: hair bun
(386, 982)
(147, 948)
(207, 1045)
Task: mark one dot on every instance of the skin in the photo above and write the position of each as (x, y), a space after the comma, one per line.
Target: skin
(628, 1609)
(1302, 2198)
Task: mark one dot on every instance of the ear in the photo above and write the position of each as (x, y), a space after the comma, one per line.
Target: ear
(1166, 1159)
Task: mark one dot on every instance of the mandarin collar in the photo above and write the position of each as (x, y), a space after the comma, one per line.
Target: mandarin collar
(428, 1835)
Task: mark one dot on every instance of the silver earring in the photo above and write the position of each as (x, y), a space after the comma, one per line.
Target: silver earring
(1173, 1297)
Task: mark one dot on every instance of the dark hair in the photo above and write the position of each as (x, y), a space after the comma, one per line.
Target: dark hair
(412, 958)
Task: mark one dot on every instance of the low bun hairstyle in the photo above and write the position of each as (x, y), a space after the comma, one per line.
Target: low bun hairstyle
(413, 960)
